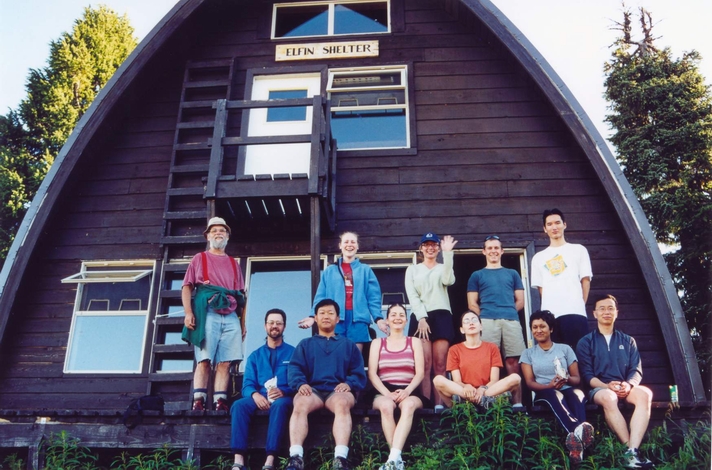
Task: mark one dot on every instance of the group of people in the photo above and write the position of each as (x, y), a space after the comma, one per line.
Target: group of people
(420, 367)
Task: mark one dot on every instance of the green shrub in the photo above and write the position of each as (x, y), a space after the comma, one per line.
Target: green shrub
(463, 440)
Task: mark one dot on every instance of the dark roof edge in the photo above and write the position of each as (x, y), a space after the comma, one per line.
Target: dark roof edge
(657, 277)
(39, 211)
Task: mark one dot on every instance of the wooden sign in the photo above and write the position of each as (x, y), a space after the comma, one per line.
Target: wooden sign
(326, 50)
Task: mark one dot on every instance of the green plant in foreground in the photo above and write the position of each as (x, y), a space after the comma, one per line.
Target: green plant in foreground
(66, 453)
(465, 439)
(13, 462)
(159, 459)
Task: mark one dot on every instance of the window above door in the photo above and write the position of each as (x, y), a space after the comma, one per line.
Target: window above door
(333, 18)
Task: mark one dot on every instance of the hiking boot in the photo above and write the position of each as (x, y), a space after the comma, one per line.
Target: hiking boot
(221, 405)
(575, 448)
(584, 433)
(295, 462)
(341, 463)
(199, 404)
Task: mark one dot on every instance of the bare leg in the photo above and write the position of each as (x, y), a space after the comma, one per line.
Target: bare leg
(299, 423)
(615, 420)
(388, 422)
(446, 388)
(407, 407)
(269, 461)
(507, 384)
(426, 386)
(340, 404)
(642, 398)
(239, 459)
(440, 348)
(512, 366)
(201, 375)
(222, 376)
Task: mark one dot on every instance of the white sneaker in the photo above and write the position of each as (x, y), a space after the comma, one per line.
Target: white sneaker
(633, 460)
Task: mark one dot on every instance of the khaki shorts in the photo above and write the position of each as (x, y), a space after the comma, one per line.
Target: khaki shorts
(508, 332)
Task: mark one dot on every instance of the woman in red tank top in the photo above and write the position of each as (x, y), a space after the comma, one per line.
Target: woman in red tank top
(396, 368)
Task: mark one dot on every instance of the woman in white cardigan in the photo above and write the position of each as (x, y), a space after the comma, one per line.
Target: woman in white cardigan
(426, 284)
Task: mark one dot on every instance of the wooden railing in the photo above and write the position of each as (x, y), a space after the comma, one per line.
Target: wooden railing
(322, 159)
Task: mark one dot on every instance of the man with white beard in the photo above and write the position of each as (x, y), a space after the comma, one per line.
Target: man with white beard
(214, 319)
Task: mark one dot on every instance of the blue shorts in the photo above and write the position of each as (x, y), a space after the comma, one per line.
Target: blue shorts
(356, 332)
(223, 339)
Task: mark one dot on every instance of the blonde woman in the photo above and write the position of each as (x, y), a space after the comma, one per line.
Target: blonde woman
(354, 286)
(426, 284)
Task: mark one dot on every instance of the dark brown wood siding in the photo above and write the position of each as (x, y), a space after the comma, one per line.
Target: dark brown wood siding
(491, 156)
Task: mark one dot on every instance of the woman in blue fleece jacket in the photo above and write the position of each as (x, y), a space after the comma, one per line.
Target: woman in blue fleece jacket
(354, 287)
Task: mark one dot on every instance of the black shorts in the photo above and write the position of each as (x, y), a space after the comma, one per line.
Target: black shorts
(440, 322)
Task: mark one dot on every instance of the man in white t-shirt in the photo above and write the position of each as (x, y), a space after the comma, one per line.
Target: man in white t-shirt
(562, 272)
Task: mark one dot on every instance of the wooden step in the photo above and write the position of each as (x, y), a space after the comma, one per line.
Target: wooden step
(170, 377)
(192, 168)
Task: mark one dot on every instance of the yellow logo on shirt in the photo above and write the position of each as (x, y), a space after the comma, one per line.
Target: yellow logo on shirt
(556, 265)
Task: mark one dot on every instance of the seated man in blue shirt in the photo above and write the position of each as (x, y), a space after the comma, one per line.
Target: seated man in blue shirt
(610, 365)
(326, 370)
(261, 391)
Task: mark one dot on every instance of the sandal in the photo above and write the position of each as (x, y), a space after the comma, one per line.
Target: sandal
(268, 467)
(238, 466)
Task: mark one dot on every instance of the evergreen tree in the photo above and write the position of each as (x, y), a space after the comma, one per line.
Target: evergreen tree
(79, 65)
(662, 122)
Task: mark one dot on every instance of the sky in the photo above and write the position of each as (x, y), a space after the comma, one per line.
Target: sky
(573, 35)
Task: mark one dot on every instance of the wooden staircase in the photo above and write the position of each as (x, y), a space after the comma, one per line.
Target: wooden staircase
(185, 214)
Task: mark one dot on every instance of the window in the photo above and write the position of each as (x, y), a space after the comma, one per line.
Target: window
(110, 318)
(369, 108)
(277, 283)
(330, 18)
(389, 269)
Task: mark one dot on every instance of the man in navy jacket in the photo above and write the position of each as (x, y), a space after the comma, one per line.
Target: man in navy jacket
(326, 370)
(610, 365)
(264, 387)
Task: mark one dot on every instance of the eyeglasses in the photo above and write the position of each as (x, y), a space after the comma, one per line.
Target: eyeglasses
(467, 321)
(606, 309)
(219, 230)
(274, 323)
(492, 237)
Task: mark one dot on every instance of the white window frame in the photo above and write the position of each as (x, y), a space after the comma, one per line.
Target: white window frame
(330, 22)
(91, 273)
(345, 72)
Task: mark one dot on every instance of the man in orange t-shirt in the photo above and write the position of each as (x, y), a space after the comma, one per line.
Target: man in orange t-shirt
(474, 365)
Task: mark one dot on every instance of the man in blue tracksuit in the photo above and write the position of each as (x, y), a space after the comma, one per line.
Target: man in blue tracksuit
(260, 391)
(354, 287)
(326, 371)
(610, 365)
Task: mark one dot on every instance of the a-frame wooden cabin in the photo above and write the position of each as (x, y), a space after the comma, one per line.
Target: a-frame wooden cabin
(296, 121)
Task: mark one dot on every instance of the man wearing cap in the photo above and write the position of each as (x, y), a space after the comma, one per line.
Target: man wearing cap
(214, 323)
(496, 294)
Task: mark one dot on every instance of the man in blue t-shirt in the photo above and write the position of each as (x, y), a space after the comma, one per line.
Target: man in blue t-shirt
(496, 294)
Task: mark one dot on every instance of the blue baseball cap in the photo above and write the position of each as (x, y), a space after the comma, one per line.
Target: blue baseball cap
(430, 237)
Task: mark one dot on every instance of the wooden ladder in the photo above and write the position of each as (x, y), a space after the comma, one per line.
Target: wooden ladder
(185, 214)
